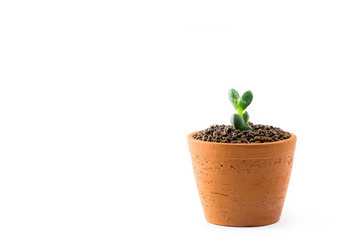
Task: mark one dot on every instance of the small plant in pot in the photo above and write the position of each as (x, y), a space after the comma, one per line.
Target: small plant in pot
(242, 170)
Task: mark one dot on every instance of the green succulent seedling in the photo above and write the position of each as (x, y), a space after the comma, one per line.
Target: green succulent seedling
(239, 120)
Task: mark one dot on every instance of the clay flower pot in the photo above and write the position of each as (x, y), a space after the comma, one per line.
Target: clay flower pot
(242, 184)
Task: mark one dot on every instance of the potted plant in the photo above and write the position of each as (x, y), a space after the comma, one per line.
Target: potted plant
(242, 170)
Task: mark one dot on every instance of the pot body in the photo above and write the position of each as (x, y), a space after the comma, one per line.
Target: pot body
(242, 184)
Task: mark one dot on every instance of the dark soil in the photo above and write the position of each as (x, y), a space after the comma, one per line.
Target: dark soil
(226, 134)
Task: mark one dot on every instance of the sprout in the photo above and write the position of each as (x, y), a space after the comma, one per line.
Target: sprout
(239, 120)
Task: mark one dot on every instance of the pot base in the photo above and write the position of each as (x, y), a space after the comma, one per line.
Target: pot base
(243, 223)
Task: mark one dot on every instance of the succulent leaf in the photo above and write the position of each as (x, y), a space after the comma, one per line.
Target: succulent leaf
(234, 98)
(242, 104)
(246, 99)
(237, 122)
(248, 128)
(246, 117)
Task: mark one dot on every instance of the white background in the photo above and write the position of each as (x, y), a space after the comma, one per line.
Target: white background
(97, 98)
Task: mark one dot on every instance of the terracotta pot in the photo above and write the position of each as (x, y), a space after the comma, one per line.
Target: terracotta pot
(242, 184)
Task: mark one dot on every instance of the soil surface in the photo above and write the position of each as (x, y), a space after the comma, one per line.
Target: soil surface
(226, 134)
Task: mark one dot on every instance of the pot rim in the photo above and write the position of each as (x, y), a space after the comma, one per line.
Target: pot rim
(291, 138)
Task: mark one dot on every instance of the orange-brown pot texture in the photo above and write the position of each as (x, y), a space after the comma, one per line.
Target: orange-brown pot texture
(242, 184)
